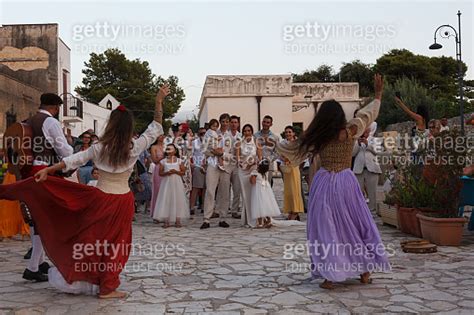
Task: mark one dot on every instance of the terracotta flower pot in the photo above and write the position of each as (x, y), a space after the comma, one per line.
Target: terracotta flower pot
(442, 231)
(425, 210)
(408, 221)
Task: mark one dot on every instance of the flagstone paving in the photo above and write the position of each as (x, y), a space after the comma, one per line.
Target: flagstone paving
(248, 271)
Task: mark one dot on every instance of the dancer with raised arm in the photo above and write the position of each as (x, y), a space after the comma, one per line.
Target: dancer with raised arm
(87, 231)
(339, 221)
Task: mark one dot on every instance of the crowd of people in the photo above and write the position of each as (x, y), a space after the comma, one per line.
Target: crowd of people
(213, 171)
(220, 170)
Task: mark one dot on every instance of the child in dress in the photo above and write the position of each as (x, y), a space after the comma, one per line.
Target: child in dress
(263, 204)
(172, 204)
(214, 141)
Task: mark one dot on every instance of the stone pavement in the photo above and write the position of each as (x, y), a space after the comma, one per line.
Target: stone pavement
(246, 271)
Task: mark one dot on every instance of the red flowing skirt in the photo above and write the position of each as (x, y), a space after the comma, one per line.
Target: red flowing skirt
(85, 232)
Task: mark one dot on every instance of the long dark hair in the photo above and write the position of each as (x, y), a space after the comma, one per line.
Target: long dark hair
(325, 127)
(422, 110)
(247, 125)
(263, 167)
(117, 138)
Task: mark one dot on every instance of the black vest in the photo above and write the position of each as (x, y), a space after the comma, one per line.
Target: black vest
(42, 150)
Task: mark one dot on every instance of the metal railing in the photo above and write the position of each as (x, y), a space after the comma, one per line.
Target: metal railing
(72, 106)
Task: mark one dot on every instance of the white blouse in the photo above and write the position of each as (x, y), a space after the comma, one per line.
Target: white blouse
(95, 153)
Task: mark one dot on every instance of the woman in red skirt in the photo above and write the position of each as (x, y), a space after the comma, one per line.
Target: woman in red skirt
(87, 231)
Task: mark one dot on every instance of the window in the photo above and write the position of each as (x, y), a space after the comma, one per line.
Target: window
(109, 104)
(96, 127)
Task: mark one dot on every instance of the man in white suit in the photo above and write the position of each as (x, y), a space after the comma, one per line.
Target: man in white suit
(366, 167)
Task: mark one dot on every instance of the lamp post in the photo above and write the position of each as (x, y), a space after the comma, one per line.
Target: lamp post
(446, 31)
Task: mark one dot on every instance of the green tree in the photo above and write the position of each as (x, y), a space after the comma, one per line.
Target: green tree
(357, 71)
(129, 81)
(413, 95)
(323, 73)
(437, 74)
(194, 123)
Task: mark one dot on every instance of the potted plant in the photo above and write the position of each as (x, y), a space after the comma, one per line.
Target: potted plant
(402, 195)
(406, 206)
(444, 161)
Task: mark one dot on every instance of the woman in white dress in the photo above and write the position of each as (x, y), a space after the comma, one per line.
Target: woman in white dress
(72, 217)
(263, 205)
(248, 155)
(172, 204)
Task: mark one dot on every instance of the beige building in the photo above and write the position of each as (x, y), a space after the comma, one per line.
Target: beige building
(251, 97)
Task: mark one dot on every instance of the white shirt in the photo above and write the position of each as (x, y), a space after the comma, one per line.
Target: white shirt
(226, 143)
(198, 154)
(211, 142)
(54, 134)
(95, 153)
(235, 139)
(268, 151)
(92, 182)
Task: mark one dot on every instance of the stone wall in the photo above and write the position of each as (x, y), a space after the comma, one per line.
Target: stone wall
(24, 98)
(29, 53)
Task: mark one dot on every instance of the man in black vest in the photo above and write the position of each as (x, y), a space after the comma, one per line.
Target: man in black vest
(49, 146)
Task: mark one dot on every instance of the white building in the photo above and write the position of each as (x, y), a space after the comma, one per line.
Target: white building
(77, 114)
(251, 97)
(93, 116)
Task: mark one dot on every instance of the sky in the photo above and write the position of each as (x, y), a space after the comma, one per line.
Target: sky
(193, 39)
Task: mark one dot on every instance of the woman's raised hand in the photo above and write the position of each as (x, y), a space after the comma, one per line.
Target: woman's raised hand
(163, 92)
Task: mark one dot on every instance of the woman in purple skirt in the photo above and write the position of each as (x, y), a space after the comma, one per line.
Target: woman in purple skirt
(343, 239)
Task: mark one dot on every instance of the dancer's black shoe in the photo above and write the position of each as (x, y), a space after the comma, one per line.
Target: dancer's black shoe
(37, 276)
(205, 225)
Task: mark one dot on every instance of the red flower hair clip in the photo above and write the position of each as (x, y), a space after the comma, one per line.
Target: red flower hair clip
(121, 108)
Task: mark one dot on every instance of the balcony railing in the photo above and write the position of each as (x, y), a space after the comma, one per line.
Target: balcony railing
(72, 107)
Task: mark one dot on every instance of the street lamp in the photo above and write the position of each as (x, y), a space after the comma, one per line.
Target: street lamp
(446, 31)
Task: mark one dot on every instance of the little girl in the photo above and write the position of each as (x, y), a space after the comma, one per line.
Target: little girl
(214, 141)
(172, 204)
(263, 204)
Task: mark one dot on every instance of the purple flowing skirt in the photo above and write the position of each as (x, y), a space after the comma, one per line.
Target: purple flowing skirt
(343, 239)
